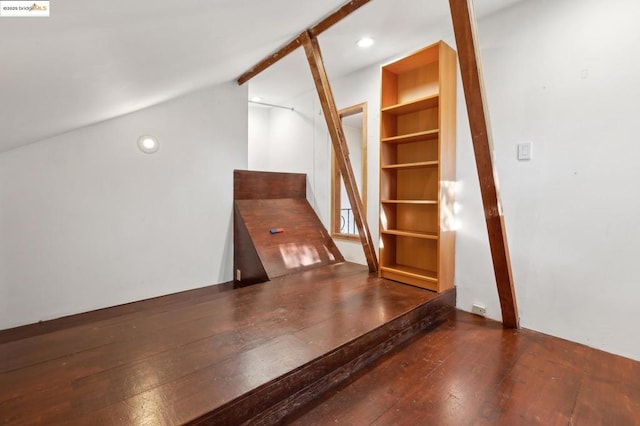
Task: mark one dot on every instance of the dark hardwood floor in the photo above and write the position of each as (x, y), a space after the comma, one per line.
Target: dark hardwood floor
(216, 355)
(256, 354)
(470, 371)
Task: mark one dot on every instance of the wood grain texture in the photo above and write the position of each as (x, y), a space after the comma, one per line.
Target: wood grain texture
(417, 158)
(317, 29)
(267, 200)
(338, 140)
(218, 358)
(253, 185)
(378, 343)
(464, 25)
(123, 312)
(304, 244)
(247, 266)
(447, 167)
(473, 371)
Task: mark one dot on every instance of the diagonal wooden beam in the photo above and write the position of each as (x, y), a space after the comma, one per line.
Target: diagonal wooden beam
(464, 27)
(337, 16)
(270, 60)
(324, 24)
(314, 56)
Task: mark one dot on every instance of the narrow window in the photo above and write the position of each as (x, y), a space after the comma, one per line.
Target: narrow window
(354, 123)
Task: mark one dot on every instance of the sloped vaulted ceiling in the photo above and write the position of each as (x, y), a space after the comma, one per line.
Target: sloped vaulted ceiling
(92, 61)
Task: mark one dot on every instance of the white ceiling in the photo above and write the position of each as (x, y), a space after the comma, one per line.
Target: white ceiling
(92, 61)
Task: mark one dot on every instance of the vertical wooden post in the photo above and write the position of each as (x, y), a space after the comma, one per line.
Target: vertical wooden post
(314, 56)
(464, 26)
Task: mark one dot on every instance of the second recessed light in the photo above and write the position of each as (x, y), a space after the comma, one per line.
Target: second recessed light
(365, 42)
(148, 144)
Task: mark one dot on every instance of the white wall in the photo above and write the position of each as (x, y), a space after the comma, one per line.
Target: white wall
(88, 221)
(563, 75)
(258, 134)
(296, 142)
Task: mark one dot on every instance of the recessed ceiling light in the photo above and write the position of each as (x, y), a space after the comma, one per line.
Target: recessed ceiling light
(365, 42)
(148, 144)
(256, 99)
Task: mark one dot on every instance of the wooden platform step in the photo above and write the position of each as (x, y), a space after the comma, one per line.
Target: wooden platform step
(472, 371)
(252, 354)
(276, 232)
(288, 393)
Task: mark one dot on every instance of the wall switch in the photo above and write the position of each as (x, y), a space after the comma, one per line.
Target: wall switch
(478, 310)
(238, 275)
(524, 151)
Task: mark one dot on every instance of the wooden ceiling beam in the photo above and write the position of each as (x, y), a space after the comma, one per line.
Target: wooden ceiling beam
(464, 27)
(337, 16)
(326, 23)
(314, 56)
(270, 60)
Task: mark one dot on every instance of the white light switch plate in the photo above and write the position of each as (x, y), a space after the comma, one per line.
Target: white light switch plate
(524, 151)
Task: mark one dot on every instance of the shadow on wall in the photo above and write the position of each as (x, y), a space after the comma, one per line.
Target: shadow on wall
(226, 262)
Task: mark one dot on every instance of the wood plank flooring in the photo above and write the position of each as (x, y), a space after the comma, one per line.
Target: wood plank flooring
(222, 356)
(216, 355)
(470, 371)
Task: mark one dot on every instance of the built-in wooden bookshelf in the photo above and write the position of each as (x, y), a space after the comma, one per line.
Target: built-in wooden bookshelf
(417, 168)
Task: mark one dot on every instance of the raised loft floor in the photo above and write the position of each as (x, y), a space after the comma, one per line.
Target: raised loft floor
(215, 355)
